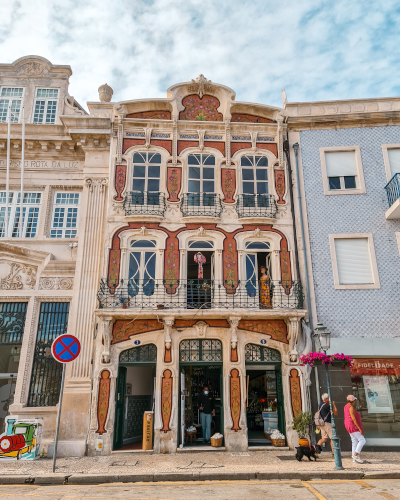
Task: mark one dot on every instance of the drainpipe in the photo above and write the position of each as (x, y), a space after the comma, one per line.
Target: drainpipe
(296, 153)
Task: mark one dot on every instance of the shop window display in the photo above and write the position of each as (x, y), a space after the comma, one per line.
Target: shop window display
(376, 385)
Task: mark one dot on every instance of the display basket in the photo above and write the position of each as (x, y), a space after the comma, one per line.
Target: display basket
(216, 443)
(191, 433)
(278, 442)
(267, 435)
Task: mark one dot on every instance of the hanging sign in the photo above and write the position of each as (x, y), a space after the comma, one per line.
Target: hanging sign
(65, 348)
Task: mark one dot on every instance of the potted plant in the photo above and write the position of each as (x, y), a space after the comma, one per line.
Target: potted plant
(301, 424)
(320, 358)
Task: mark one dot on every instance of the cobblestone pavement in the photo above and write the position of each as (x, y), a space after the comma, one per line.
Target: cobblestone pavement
(252, 461)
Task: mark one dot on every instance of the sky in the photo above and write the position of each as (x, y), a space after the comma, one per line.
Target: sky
(316, 50)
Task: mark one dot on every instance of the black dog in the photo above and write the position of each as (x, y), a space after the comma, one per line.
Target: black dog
(308, 451)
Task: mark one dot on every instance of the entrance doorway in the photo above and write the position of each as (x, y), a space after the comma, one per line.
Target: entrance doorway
(134, 395)
(200, 366)
(264, 397)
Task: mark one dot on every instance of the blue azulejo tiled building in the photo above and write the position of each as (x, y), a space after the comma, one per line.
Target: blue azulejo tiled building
(345, 159)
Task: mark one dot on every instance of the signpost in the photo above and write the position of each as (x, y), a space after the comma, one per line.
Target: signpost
(65, 348)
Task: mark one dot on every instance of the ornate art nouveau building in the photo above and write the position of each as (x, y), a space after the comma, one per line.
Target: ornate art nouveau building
(185, 271)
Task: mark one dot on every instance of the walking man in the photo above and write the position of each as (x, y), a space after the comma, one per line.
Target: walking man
(207, 411)
(353, 424)
(326, 415)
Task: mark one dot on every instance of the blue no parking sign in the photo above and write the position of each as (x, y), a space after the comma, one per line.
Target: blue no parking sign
(65, 348)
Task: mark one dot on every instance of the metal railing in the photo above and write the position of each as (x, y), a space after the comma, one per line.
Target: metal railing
(144, 202)
(256, 205)
(393, 189)
(199, 293)
(201, 204)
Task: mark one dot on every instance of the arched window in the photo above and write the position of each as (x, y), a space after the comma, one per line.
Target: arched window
(142, 267)
(258, 280)
(257, 353)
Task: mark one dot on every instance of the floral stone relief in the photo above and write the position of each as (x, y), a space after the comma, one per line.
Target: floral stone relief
(17, 276)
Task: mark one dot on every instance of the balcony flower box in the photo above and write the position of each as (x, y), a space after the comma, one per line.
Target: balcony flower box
(320, 358)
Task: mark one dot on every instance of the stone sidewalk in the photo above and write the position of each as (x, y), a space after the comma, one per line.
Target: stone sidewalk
(133, 467)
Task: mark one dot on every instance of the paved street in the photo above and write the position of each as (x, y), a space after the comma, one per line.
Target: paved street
(219, 490)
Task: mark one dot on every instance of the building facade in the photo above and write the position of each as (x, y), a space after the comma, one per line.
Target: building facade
(178, 241)
(348, 155)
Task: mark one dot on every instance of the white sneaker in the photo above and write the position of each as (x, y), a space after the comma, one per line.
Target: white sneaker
(357, 459)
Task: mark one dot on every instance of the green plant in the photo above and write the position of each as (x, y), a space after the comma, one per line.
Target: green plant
(301, 424)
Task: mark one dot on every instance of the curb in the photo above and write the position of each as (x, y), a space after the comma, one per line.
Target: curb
(53, 479)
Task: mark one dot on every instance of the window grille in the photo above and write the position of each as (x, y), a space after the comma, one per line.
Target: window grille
(12, 322)
(45, 383)
(142, 354)
(200, 350)
(258, 353)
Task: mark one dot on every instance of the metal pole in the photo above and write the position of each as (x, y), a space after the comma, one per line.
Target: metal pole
(21, 211)
(8, 170)
(335, 438)
(58, 418)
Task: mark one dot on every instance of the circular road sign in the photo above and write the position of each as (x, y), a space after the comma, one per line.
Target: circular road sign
(65, 348)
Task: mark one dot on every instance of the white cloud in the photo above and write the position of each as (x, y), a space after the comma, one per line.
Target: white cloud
(315, 49)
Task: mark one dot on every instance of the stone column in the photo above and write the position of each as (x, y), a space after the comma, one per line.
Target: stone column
(75, 407)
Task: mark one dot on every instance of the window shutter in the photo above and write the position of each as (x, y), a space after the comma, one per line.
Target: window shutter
(340, 163)
(353, 261)
(394, 161)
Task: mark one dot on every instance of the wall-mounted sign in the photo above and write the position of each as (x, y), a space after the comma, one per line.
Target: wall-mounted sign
(137, 342)
(263, 341)
(45, 164)
(377, 394)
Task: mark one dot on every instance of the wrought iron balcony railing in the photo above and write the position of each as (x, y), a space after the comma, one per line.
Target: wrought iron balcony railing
(144, 202)
(393, 189)
(199, 293)
(201, 204)
(256, 205)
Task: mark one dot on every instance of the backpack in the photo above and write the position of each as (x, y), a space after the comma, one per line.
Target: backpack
(318, 420)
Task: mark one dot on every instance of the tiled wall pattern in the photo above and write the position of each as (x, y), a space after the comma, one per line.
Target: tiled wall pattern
(353, 313)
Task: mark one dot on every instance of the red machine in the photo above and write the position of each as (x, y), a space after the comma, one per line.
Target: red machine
(12, 443)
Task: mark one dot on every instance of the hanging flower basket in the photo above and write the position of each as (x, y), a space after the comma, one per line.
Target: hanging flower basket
(320, 358)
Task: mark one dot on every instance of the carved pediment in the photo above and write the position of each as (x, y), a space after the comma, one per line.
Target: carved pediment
(17, 276)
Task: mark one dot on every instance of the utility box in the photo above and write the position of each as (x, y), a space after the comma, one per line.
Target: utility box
(147, 430)
(22, 438)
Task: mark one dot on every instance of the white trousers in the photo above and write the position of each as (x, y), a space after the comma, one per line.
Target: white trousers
(357, 442)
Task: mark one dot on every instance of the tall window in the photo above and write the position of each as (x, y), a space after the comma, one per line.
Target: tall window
(146, 179)
(45, 383)
(65, 215)
(45, 109)
(201, 173)
(11, 96)
(30, 217)
(341, 169)
(142, 267)
(254, 174)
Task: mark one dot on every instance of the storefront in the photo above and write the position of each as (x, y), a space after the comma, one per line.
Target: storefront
(376, 385)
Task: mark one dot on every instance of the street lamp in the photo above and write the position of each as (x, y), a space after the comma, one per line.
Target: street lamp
(322, 339)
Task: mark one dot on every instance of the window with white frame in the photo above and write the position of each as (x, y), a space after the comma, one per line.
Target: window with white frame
(11, 96)
(45, 107)
(341, 169)
(30, 211)
(394, 160)
(65, 215)
(254, 174)
(142, 267)
(354, 261)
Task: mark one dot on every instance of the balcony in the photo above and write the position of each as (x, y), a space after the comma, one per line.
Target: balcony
(200, 294)
(201, 204)
(256, 205)
(144, 203)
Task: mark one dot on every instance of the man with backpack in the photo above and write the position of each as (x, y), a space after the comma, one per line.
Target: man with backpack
(323, 420)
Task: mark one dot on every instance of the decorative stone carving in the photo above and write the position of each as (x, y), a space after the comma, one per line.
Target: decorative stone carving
(293, 332)
(174, 177)
(166, 400)
(168, 323)
(201, 328)
(201, 231)
(200, 86)
(234, 323)
(123, 329)
(56, 283)
(107, 339)
(105, 93)
(120, 180)
(280, 185)
(228, 184)
(96, 182)
(103, 401)
(118, 208)
(20, 276)
(32, 69)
